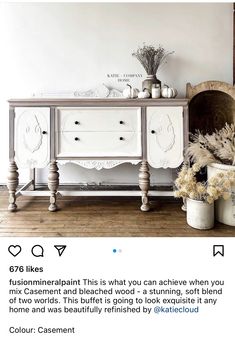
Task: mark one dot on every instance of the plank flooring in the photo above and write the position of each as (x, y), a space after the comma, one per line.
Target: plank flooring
(99, 217)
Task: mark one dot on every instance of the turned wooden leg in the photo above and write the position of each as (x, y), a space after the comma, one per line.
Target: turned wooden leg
(144, 184)
(12, 183)
(53, 183)
(32, 177)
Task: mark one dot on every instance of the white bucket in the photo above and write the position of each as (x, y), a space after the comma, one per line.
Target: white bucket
(224, 209)
(200, 214)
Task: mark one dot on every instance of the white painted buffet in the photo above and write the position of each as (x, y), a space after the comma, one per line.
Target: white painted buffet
(94, 133)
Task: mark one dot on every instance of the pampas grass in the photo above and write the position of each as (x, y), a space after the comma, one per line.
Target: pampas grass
(217, 147)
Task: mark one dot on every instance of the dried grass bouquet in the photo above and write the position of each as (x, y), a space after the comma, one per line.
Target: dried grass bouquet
(217, 147)
(151, 57)
(218, 186)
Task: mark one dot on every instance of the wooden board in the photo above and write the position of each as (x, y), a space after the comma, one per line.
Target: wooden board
(210, 110)
(211, 105)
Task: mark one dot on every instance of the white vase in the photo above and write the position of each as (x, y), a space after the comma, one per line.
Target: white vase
(200, 214)
(224, 209)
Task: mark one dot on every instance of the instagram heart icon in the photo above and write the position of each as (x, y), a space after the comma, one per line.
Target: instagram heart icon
(14, 250)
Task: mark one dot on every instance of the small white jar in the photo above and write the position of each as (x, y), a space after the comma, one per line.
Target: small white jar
(156, 92)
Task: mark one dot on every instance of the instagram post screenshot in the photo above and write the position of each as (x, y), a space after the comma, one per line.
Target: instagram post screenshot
(117, 174)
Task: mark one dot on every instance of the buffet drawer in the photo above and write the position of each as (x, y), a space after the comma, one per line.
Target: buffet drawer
(99, 119)
(98, 144)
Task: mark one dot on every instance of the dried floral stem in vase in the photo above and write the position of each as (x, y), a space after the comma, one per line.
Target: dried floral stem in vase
(151, 57)
(218, 186)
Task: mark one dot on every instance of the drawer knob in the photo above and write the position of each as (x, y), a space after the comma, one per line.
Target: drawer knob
(152, 131)
(121, 138)
(44, 132)
(76, 122)
(121, 122)
(76, 139)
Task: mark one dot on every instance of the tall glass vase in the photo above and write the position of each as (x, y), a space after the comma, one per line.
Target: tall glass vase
(150, 81)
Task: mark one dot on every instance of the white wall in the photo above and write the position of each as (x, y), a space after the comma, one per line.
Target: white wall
(68, 46)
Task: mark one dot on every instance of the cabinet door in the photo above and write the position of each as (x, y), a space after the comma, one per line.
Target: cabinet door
(165, 139)
(32, 136)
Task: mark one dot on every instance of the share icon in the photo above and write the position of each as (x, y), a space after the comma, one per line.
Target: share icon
(60, 249)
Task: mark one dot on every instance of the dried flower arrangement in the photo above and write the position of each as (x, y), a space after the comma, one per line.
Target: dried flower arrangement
(217, 147)
(218, 186)
(151, 58)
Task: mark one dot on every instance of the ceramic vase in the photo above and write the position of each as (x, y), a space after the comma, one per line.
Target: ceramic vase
(200, 214)
(224, 209)
(149, 82)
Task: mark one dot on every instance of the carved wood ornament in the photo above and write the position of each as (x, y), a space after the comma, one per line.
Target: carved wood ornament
(33, 135)
(165, 134)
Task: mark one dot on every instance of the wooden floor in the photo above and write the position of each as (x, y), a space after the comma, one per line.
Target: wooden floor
(99, 217)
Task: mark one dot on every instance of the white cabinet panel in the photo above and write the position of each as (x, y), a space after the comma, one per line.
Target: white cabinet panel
(99, 119)
(32, 136)
(165, 136)
(99, 144)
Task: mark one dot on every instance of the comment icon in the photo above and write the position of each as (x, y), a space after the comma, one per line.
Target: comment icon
(37, 251)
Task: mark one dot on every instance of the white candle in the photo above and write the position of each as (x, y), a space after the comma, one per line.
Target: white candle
(156, 92)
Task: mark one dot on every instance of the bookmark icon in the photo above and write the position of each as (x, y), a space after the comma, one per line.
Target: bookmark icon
(218, 249)
(60, 249)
